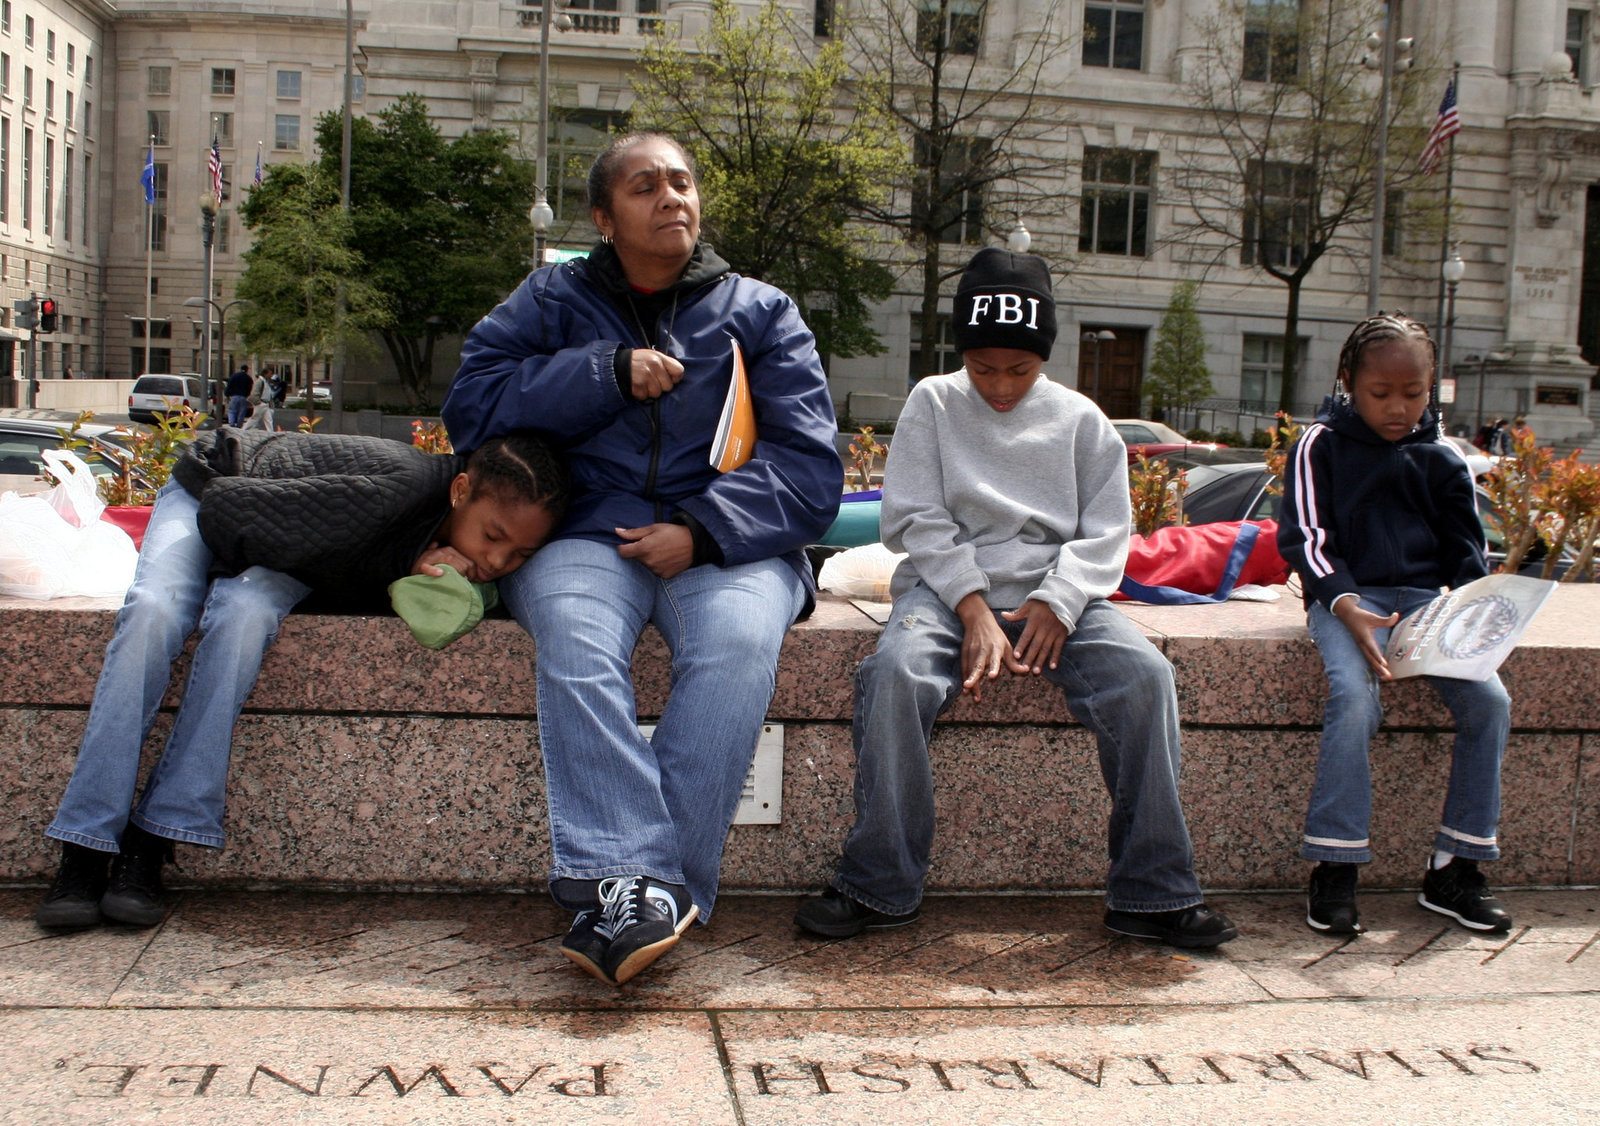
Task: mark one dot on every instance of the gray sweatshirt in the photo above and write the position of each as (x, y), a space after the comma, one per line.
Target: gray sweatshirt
(1027, 504)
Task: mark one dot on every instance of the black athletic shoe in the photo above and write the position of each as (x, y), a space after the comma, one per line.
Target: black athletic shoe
(1460, 891)
(1331, 899)
(73, 900)
(835, 915)
(586, 943)
(644, 919)
(135, 894)
(1192, 928)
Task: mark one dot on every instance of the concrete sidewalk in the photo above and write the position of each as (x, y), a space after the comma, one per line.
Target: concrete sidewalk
(279, 1007)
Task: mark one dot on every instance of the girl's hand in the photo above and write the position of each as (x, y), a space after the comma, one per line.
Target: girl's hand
(428, 563)
(1362, 625)
(652, 374)
(666, 549)
(1041, 638)
(984, 648)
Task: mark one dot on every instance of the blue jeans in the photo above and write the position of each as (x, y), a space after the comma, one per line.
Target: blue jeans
(1117, 685)
(238, 619)
(619, 803)
(238, 409)
(1339, 819)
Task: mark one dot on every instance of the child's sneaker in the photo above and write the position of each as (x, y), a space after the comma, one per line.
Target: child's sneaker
(586, 943)
(1331, 899)
(1460, 891)
(73, 900)
(135, 894)
(644, 917)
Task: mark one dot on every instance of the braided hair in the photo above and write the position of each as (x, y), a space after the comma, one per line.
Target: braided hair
(1376, 329)
(522, 468)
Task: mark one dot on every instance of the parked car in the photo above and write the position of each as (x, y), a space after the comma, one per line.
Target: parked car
(321, 396)
(26, 434)
(1154, 439)
(155, 394)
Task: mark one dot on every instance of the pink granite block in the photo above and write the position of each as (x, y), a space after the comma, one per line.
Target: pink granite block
(1586, 817)
(1244, 798)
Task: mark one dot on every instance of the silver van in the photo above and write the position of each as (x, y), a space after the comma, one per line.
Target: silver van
(154, 395)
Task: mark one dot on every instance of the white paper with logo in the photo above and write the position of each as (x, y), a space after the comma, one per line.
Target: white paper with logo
(1466, 633)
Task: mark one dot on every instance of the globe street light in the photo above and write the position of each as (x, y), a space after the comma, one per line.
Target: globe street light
(541, 216)
(1453, 270)
(1019, 239)
(208, 229)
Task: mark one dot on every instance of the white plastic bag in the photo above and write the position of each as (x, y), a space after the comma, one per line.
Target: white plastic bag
(42, 556)
(860, 572)
(75, 496)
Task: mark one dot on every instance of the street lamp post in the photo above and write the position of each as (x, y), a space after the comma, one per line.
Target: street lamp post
(541, 215)
(1453, 270)
(222, 330)
(208, 229)
(1096, 339)
(1386, 63)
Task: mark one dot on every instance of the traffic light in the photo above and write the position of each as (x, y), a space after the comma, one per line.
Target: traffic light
(47, 314)
(27, 310)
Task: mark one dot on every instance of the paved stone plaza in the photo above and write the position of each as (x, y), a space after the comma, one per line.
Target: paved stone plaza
(273, 1007)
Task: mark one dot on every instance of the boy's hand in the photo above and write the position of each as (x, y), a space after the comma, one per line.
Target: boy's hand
(429, 561)
(984, 649)
(1041, 638)
(666, 549)
(1362, 624)
(652, 374)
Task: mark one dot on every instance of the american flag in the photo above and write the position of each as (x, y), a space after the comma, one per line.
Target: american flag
(214, 169)
(1445, 126)
(258, 164)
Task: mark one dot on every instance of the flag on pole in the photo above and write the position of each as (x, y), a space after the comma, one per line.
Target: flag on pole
(148, 176)
(258, 164)
(1445, 126)
(214, 169)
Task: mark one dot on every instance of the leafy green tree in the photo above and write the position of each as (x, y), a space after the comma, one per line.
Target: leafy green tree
(442, 226)
(1178, 375)
(783, 174)
(296, 266)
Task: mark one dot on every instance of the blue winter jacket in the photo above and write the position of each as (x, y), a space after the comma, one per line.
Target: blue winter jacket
(544, 360)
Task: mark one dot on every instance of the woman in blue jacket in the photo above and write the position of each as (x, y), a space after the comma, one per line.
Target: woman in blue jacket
(625, 359)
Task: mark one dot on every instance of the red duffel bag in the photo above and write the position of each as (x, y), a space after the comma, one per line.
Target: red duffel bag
(1201, 563)
(130, 518)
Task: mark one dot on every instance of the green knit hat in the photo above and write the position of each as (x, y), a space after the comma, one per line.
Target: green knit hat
(441, 608)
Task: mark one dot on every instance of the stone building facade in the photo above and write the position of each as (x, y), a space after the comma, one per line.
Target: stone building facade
(73, 221)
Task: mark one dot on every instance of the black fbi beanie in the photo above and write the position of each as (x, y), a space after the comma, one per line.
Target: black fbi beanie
(1004, 300)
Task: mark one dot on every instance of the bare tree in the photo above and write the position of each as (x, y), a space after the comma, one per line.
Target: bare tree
(1288, 176)
(984, 125)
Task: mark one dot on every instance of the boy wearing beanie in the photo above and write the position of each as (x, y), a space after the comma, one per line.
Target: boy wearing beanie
(1009, 494)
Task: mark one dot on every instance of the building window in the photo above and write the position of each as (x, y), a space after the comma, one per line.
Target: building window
(1115, 215)
(66, 194)
(5, 171)
(50, 45)
(69, 109)
(222, 128)
(1577, 37)
(1113, 34)
(358, 87)
(158, 80)
(223, 227)
(945, 356)
(88, 117)
(288, 84)
(5, 17)
(286, 131)
(27, 31)
(822, 19)
(1394, 228)
(49, 97)
(88, 70)
(88, 181)
(1261, 371)
(49, 182)
(227, 181)
(5, 74)
(158, 217)
(222, 80)
(27, 86)
(1271, 40)
(27, 179)
(157, 122)
(956, 214)
(72, 58)
(160, 359)
(959, 32)
(1277, 214)
(576, 139)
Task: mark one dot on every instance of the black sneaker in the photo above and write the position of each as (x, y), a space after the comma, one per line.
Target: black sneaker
(1192, 928)
(135, 895)
(1460, 891)
(1331, 899)
(835, 915)
(643, 918)
(73, 901)
(586, 943)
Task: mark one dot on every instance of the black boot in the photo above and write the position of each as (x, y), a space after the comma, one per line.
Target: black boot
(73, 901)
(134, 894)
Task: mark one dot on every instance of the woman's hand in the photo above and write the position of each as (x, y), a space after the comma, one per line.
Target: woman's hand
(428, 563)
(666, 549)
(1041, 638)
(1362, 624)
(652, 374)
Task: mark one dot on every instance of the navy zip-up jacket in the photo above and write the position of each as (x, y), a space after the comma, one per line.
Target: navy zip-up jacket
(545, 360)
(1359, 510)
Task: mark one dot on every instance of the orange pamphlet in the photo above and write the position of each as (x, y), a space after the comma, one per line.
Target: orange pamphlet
(736, 429)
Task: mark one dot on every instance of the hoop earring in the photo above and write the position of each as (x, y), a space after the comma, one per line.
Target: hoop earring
(605, 240)
(1341, 393)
